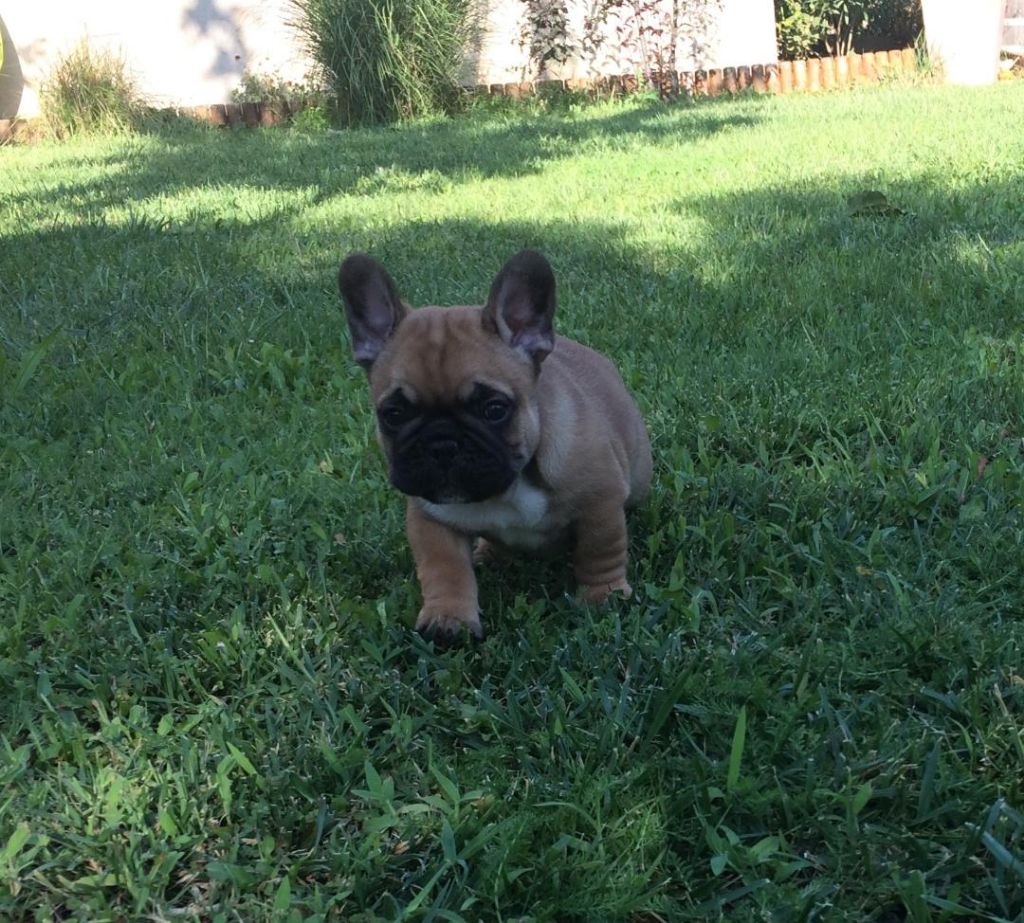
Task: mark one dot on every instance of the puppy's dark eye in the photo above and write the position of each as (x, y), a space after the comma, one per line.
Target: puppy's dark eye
(397, 413)
(496, 410)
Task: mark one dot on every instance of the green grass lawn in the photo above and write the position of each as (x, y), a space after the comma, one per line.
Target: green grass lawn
(212, 704)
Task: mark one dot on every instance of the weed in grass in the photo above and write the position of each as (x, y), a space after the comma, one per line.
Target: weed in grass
(213, 703)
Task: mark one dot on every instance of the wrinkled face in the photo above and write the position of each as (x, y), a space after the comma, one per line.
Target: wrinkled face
(455, 409)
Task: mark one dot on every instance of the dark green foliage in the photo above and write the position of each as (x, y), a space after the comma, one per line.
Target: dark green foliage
(810, 28)
(387, 59)
(890, 24)
(212, 705)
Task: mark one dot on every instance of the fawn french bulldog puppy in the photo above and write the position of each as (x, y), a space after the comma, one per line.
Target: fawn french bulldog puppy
(498, 430)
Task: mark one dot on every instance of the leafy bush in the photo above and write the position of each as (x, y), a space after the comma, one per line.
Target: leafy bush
(90, 91)
(808, 28)
(891, 24)
(302, 103)
(644, 35)
(799, 28)
(547, 34)
(257, 87)
(311, 121)
(387, 59)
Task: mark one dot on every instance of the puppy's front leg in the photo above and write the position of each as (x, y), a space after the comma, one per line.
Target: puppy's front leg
(444, 566)
(601, 548)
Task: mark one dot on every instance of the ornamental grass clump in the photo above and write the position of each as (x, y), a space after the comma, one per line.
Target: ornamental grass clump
(387, 60)
(91, 91)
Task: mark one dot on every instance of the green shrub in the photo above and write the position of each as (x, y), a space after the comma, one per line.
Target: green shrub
(311, 121)
(891, 24)
(90, 91)
(808, 28)
(269, 88)
(387, 59)
(800, 28)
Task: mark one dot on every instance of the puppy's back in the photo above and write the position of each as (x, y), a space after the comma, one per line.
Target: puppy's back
(589, 415)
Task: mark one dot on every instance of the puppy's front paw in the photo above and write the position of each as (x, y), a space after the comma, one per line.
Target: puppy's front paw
(599, 592)
(439, 625)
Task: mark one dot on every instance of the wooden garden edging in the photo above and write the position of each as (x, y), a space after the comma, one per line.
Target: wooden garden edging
(811, 75)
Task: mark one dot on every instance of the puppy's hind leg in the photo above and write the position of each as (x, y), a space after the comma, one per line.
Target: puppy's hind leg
(487, 552)
(601, 550)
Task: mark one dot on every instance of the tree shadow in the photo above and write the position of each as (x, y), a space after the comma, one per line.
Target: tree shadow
(766, 377)
(478, 145)
(769, 377)
(852, 239)
(800, 283)
(208, 20)
(808, 313)
(794, 264)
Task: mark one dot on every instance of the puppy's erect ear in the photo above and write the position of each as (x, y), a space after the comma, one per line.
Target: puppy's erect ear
(372, 306)
(521, 305)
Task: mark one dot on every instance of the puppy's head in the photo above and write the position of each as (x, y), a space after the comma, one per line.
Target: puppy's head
(453, 388)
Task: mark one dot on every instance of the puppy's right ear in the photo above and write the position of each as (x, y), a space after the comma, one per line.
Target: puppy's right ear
(521, 305)
(372, 306)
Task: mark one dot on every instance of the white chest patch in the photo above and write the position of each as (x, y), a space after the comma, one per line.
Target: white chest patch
(519, 518)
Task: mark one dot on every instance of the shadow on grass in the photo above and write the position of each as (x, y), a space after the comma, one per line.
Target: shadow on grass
(813, 324)
(801, 287)
(950, 251)
(478, 144)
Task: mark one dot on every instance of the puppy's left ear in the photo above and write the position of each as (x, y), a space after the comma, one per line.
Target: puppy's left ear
(372, 306)
(521, 306)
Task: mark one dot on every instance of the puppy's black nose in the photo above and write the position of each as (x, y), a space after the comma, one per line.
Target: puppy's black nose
(443, 451)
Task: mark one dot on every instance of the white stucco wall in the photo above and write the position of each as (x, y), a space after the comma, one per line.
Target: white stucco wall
(183, 52)
(193, 52)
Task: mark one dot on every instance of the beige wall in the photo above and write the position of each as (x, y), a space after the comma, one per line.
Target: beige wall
(193, 52)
